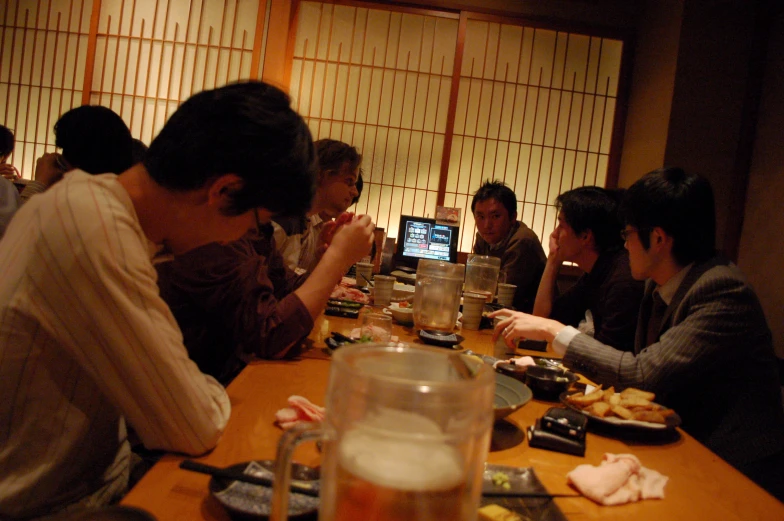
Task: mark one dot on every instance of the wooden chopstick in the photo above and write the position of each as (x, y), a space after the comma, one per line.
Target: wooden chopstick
(295, 486)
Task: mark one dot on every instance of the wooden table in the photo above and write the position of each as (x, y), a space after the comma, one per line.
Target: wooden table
(701, 485)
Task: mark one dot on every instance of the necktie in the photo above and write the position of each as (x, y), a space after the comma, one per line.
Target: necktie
(655, 319)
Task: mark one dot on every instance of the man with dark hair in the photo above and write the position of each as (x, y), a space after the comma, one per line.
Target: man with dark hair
(9, 195)
(93, 139)
(301, 240)
(606, 299)
(702, 342)
(500, 234)
(87, 344)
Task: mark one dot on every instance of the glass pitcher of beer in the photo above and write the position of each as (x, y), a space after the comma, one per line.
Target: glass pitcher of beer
(405, 438)
(482, 275)
(437, 292)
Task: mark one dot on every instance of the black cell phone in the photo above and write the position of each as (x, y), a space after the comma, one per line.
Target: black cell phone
(336, 311)
(565, 422)
(544, 439)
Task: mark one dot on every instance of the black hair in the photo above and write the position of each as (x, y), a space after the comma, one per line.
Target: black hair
(359, 185)
(332, 154)
(500, 192)
(592, 208)
(6, 141)
(138, 151)
(679, 203)
(247, 129)
(94, 139)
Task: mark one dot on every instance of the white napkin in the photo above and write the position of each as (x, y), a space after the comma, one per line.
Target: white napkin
(619, 479)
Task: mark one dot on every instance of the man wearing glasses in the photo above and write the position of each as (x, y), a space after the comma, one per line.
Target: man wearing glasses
(702, 342)
(302, 240)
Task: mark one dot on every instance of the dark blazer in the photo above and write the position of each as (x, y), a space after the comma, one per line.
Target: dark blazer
(713, 363)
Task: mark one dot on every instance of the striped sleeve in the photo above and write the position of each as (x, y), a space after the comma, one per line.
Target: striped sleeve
(101, 290)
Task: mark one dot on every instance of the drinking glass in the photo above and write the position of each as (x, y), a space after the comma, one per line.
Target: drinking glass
(482, 275)
(406, 435)
(437, 293)
(376, 327)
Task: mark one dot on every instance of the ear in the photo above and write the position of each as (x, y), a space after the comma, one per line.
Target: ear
(660, 239)
(222, 187)
(586, 237)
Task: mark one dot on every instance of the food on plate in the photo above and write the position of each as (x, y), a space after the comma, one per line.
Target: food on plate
(584, 400)
(404, 304)
(498, 513)
(342, 292)
(629, 404)
(501, 479)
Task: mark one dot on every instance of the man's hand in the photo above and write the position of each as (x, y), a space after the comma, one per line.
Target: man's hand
(9, 172)
(47, 169)
(520, 326)
(555, 253)
(353, 240)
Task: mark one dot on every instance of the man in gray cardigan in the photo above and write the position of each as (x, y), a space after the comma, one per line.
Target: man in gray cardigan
(702, 342)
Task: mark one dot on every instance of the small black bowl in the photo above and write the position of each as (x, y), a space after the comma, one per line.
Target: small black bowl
(512, 370)
(548, 383)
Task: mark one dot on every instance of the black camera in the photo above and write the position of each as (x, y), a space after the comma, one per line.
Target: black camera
(561, 430)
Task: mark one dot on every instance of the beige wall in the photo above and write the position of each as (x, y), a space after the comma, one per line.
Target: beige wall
(650, 97)
(761, 246)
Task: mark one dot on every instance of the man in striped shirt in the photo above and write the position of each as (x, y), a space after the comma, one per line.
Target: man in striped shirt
(702, 342)
(86, 343)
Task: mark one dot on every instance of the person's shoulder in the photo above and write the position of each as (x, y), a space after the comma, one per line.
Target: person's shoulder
(291, 225)
(522, 232)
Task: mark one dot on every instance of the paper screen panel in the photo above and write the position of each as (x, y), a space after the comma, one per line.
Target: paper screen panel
(150, 55)
(43, 46)
(153, 54)
(379, 80)
(535, 109)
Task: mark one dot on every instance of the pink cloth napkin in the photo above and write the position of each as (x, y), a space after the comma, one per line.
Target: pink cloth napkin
(619, 479)
(299, 410)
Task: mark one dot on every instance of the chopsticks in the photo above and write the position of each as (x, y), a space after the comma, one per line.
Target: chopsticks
(512, 493)
(366, 280)
(218, 472)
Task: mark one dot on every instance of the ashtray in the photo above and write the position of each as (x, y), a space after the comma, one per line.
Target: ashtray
(439, 338)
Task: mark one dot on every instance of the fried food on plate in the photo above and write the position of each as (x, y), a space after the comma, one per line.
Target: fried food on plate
(629, 404)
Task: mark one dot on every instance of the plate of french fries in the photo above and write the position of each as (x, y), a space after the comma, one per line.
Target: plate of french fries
(631, 407)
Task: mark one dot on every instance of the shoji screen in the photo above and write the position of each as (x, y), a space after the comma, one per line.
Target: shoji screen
(141, 58)
(379, 80)
(43, 52)
(535, 109)
(153, 54)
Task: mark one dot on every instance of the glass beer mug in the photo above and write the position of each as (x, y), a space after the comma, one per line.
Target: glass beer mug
(405, 437)
(437, 293)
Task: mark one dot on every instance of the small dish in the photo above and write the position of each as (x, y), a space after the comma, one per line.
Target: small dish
(439, 338)
(548, 382)
(249, 500)
(403, 315)
(510, 395)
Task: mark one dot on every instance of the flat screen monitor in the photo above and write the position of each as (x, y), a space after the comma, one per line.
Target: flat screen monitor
(423, 238)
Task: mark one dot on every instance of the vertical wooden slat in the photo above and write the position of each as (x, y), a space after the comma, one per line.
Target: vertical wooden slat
(185, 52)
(51, 91)
(103, 66)
(19, 88)
(91, 43)
(116, 54)
(231, 42)
(149, 69)
(41, 74)
(258, 39)
(127, 64)
(450, 117)
(156, 99)
(136, 81)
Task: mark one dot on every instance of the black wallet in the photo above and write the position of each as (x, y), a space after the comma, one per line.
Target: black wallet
(544, 439)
